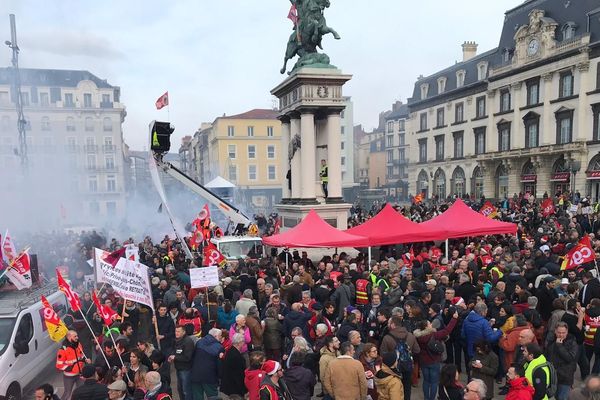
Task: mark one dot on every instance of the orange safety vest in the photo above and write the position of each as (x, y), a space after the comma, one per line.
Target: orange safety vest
(361, 291)
(591, 328)
(70, 360)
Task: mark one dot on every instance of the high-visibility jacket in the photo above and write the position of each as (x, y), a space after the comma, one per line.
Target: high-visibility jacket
(498, 272)
(324, 174)
(532, 365)
(591, 328)
(70, 360)
(362, 297)
(378, 282)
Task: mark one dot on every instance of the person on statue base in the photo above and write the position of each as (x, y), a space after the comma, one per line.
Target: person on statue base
(324, 175)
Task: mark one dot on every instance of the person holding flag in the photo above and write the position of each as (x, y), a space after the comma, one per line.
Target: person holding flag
(70, 359)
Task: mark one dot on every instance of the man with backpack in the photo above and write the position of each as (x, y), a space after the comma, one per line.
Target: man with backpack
(539, 372)
(404, 342)
(561, 350)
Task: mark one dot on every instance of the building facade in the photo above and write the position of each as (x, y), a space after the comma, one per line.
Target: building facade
(397, 151)
(74, 139)
(522, 117)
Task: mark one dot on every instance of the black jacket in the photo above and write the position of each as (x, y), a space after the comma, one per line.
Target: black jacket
(592, 290)
(232, 379)
(184, 354)
(90, 390)
(166, 327)
(564, 358)
(300, 382)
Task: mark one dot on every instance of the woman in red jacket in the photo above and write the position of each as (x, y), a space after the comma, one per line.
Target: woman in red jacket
(430, 358)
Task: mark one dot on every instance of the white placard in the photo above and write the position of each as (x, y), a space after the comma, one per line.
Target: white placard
(204, 277)
(128, 278)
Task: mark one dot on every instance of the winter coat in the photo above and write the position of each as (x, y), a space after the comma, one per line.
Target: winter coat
(243, 305)
(426, 357)
(296, 319)
(488, 371)
(454, 392)
(345, 379)
(591, 289)
(252, 380)
(206, 361)
(300, 382)
(232, 381)
(184, 354)
(166, 327)
(563, 356)
(389, 341)
(519, 389)
(273, 334)
(389, 384)
(475, 327)
(545, 298)
(326, 357)
(246, 333)
(510, 343)
(256, 331)
(225, 320)
(342, 297)
(90, 390)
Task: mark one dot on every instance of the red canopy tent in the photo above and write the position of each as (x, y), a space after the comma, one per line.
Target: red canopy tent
(313, 231)
(391, 227)
(459, 220)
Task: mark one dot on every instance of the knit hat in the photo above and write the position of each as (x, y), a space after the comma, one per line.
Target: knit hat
(389, 359)
(271, 367)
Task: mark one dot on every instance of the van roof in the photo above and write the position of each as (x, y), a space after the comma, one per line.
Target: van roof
(225, 239)
(13, 301)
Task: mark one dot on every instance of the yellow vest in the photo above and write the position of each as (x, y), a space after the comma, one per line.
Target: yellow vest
(531, 366)
(324, 174)
(500, 274)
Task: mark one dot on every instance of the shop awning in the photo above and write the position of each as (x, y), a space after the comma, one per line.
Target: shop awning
(313, 231)
(560, 177)
(391, 227)
(528, 178)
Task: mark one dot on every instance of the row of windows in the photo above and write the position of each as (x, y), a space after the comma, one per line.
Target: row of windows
(69, 142)
(564, 134)
(461, 75)
(232, 151)
(111, 208)
(249, 131)
(252, 172)
(44, 99)
(401, 155)
(566, 89)
(391, 124)
(110, 184)
(390, 140)
(89, 124)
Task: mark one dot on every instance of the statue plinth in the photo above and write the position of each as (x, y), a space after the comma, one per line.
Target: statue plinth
(310, 104)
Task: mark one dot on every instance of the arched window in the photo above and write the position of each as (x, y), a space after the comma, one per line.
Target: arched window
(501, 182)
(439, 181)
(477, 183)
(422, 182)
(568, 30)
(458, 182)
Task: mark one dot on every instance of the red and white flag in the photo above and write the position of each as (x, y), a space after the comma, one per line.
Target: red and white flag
(162, 101)
(212, 256)
(107, 313)
(547, 207)
(19, 272)
(114, 257)
(293, 14)
(8, 247)
(578, 255)
(72, 297)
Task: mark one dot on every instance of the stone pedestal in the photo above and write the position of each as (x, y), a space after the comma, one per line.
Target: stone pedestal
(310, 104)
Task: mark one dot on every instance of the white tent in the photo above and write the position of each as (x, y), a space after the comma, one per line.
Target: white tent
(219, 183)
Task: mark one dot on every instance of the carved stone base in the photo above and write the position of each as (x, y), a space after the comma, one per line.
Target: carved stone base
(335, 214)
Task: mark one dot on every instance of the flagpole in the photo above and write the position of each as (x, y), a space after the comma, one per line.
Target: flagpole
(116, 350)
(155, 327)
(95, 338)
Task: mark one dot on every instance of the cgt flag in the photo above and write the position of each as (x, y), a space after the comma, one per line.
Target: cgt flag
(162, 101)
(19, 271)
(108, 314)
(72, 297)
(488, 210)
(548, 207)
(578, 255)
(212, 256)
(57, 329)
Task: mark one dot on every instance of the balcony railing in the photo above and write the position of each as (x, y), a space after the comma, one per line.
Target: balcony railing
(106, 104)
(109, 148)
(90, 148)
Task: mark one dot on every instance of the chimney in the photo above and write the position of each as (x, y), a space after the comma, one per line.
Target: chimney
(469, 50)
(396, 105)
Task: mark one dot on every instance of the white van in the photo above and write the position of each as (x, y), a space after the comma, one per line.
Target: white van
(25, 347)
(236, 247)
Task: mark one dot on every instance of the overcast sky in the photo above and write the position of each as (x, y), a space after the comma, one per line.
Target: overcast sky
(224, 56)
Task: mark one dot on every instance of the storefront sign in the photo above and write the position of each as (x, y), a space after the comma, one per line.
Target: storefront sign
(528, 178)
(560, 177)
(593, 174)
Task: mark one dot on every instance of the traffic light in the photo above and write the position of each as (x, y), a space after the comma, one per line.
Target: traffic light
(160, 136)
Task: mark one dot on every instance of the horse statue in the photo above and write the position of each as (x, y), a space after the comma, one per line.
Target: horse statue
(309, 30)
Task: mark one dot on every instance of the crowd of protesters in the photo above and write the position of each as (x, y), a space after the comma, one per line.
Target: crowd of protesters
(495, 315)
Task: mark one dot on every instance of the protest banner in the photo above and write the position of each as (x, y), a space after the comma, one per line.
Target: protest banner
(204, 277)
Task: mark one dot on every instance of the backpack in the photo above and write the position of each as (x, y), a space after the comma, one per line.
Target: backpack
(435, 346)
(405, 360)
(552, 387)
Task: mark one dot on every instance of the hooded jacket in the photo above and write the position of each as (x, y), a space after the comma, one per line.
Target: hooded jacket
(389, 384)
(252, 380)
(475, 327)
(296, 319)
(426, 357)
(205, 365)
(324, 360)
(389, 342)
(519, 389)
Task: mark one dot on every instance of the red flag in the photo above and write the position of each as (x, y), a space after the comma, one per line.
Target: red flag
(107, 313)
(72, 297)
(56, 328)
(212, 256)
(488, 210)
(293, 14)
(277, 226)
(548, 207)
(418, 198)
(162, 101)
(580, 254)
(114, 257)
(20, 271)
(204, 213)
